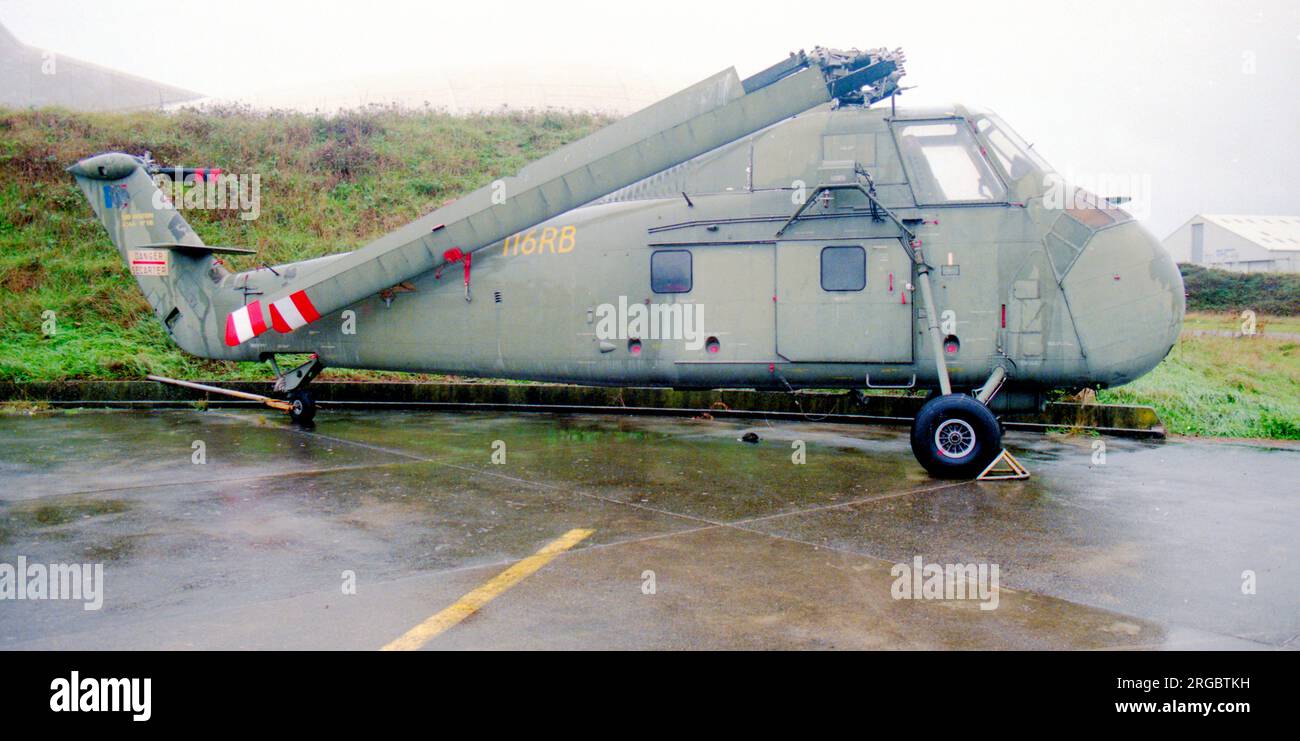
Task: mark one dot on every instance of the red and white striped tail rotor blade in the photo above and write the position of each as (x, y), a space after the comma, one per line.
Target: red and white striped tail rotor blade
(292, 312)
(245, 323)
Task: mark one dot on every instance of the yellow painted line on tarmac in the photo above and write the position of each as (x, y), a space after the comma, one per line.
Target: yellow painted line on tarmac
(421, 634)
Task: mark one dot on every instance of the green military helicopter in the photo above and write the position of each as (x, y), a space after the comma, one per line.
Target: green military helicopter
(776, 232)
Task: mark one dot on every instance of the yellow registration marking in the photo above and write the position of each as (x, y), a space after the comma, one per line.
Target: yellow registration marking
(469, 604)
(546, 240)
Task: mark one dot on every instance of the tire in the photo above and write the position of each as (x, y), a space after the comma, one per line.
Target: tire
(955, 437)
(304, 407)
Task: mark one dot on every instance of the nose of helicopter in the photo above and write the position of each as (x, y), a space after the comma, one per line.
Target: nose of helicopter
(1127, 301)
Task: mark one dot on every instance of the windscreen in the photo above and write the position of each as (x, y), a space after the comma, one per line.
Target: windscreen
(944, 163)
(1016, 157)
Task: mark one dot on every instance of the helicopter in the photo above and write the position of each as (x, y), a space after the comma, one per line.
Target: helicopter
(780, 232)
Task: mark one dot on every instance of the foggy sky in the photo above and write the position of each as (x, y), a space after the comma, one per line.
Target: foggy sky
(1198, 99)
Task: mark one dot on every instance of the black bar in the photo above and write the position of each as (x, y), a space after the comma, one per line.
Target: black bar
(1043, 693)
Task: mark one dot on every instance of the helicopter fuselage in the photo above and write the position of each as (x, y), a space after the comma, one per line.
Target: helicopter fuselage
(698, 277)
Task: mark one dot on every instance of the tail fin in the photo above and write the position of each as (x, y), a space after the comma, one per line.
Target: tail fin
(174, 269)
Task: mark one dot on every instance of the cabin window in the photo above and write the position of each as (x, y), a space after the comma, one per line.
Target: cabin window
(944, 164)
(670, 271)
(844, 269)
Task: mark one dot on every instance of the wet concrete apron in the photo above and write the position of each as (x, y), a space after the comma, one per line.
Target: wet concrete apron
(699, 540)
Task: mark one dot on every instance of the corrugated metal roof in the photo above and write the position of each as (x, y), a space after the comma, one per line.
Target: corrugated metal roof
(1269, 232)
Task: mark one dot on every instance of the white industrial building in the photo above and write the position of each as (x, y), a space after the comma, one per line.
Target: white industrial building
(1246, 244)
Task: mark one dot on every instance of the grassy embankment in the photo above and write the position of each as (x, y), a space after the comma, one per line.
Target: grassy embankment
(331, 183)
(328, 184)
(1223, 386)
(1229, 386)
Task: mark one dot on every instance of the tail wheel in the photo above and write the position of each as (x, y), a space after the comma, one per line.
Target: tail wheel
(955, 437)
(303, 407)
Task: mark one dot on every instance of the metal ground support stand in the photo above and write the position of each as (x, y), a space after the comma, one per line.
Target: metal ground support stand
(302, 405)
(298, 377)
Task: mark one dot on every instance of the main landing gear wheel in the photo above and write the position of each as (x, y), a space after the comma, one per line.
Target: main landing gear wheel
(303, 409)
(955, 437)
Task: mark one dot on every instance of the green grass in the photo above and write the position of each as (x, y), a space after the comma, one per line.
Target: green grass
(333, 183)
(1223, 387)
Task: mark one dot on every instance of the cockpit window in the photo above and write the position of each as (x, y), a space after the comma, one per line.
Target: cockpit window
(944, 163)
(1016, 158)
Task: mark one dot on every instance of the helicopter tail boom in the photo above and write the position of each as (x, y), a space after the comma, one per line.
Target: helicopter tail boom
(696, 120)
